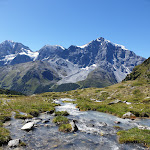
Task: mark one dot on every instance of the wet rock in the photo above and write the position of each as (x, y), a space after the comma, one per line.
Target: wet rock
(53, 114)
(102, 124)
(144, 115)
(117, 122)
(128, 103)
(28, 126)
(47, 125)
(45, 121)
(143, 127)
(36, 120)
(90, 125)
(115, 102)
(74, 126)
(28, 120)
(14, 143)
(50, 112)
(6, 124)
(128, 115)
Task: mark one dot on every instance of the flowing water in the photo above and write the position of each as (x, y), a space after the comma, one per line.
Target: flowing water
(96, 131)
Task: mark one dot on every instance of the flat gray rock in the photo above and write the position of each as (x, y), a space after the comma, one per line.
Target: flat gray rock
(28, 126)
(14, 143)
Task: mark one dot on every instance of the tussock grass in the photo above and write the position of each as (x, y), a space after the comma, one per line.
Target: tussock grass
(65, 128)
(60, 120)
(4, 135)
(135, 135)
(61, 113)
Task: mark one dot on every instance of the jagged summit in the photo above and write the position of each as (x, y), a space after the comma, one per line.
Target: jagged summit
(98, 63)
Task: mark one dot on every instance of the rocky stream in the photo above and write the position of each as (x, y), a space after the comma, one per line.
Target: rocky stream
(96, 131)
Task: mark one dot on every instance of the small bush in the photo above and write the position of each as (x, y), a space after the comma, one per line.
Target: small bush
(65, 128)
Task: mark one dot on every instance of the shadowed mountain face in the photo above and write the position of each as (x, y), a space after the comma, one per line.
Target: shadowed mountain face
(28, 78)
(99, 63)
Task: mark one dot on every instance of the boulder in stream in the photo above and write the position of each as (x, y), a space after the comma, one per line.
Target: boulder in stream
(74, 126)
(128, 115)
(28, 126)
(14, 143)
(117, 122)
(45, 121)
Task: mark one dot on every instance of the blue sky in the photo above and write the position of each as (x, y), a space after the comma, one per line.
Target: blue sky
(36, 23)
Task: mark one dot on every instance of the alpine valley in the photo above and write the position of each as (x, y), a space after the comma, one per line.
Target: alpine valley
(99, 63)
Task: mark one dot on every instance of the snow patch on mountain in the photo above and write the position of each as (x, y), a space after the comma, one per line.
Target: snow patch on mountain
(60, 47)
(92, 67)
(8, 58)
(117, 45)
(86, 45)
(32, 55)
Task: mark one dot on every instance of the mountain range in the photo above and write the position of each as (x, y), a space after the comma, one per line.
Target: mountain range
(99, 63)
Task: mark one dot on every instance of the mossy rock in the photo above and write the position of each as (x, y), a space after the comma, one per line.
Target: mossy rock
(19, 116)
(4, 136)
(5, 117)
(61, 113)
(60, 120)
(65, 128)
(34, 112)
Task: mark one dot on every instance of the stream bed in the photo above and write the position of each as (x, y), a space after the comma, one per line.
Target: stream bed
(96, 131)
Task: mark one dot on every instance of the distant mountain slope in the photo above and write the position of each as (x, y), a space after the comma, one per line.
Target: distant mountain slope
(14, 53)
(28, 78)
(97, 64)
(140, 72)
(9, 92)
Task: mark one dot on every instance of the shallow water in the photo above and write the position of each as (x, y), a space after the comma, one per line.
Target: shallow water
(96, 131)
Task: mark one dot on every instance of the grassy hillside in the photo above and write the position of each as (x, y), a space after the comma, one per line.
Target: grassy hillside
(141, 72)
(98, 78)
(28, 78)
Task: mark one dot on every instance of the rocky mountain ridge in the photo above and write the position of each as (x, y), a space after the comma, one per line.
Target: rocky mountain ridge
(99, 63)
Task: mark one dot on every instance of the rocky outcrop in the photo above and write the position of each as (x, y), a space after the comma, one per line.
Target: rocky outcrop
(128, 115)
